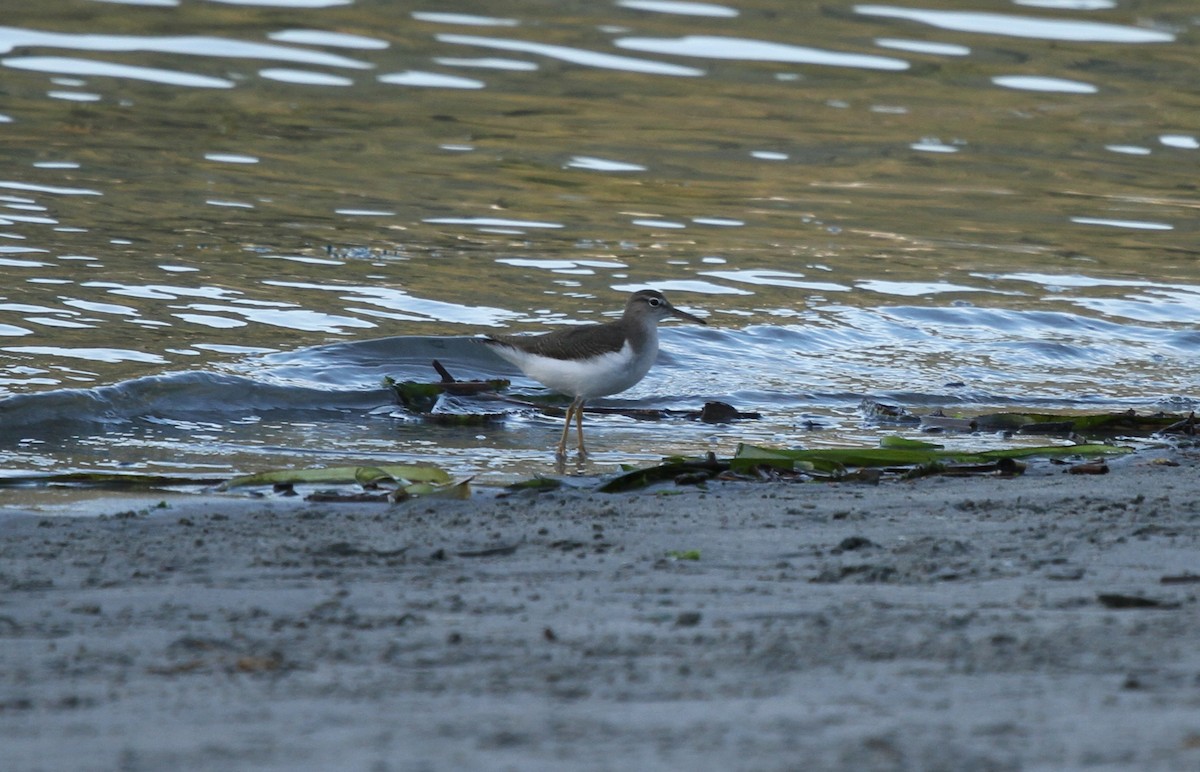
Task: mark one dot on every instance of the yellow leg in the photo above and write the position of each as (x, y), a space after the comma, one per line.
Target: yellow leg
(579, 425)
(562, 442)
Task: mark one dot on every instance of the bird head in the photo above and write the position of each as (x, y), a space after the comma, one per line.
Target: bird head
(654, 305)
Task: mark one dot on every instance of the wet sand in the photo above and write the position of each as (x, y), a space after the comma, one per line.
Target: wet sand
(1048, 622)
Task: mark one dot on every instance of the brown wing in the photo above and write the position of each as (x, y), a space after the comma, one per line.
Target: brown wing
(583, 342)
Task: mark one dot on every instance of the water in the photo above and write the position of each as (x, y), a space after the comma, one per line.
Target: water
(223, 223)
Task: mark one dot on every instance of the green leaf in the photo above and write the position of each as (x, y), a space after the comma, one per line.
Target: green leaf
(749, 457)
(343, 475)
(417, 397)
(422, 397)
(367, 475)
(458, 490)
(896, 442)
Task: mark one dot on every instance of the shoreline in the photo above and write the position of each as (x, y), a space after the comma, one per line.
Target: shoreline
(1043, 622)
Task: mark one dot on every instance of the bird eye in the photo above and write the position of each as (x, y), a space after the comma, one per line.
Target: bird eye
(654, 302)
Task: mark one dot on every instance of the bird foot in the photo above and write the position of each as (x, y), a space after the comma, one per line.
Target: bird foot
(560, 459)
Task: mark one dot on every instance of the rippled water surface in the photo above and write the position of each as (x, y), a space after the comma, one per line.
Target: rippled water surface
(223, 223)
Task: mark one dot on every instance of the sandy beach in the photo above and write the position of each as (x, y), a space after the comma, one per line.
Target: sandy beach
(1047, 622)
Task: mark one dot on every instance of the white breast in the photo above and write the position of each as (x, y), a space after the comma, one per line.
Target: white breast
(587, 378)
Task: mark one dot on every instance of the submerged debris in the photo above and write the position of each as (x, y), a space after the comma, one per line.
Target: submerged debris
(1126, 423)
(424, 399)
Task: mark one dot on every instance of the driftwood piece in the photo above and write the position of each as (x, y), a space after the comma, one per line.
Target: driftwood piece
(422, 397)
(1186, 426)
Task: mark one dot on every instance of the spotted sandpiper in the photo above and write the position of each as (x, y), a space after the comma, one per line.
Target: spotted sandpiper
(592, 360)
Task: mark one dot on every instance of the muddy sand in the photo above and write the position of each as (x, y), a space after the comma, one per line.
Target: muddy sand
(1048, 622)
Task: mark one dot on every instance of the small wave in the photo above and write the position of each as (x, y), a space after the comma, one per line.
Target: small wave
(173, 395)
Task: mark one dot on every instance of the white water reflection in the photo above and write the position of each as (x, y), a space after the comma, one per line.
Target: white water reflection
(719, 47)
(27, 218)
(304, 77)
(1128, 149)
(430, 80)
(191, 45)
(229, 204)
(49, 189)
(488, 63)
(287, 3)
(231, 158)
(415, 308)
(155, 3)
(100, 308)
(1134, 224)
(315, 37)
(1042, 83)
(1156, 308)
(1020, 26)
(52, 321)
(560, 265)
(110, 355)
(923, 47)
(491, 222)
(162, 291)
(26, 308)
(772, 278)
(920, 289)
(9, 262)
(304, 259)
(575, 55)
(74, 96)
(651, 223)
(1181, 141)
(208, 320)
(465, 19)
(91, 67)
(1057, 282)
(365, 212)
(933, 145)
(720, 222)
(291, 318)
(680, 8)
(1070, 5)
(682, 285)
(603, 164)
